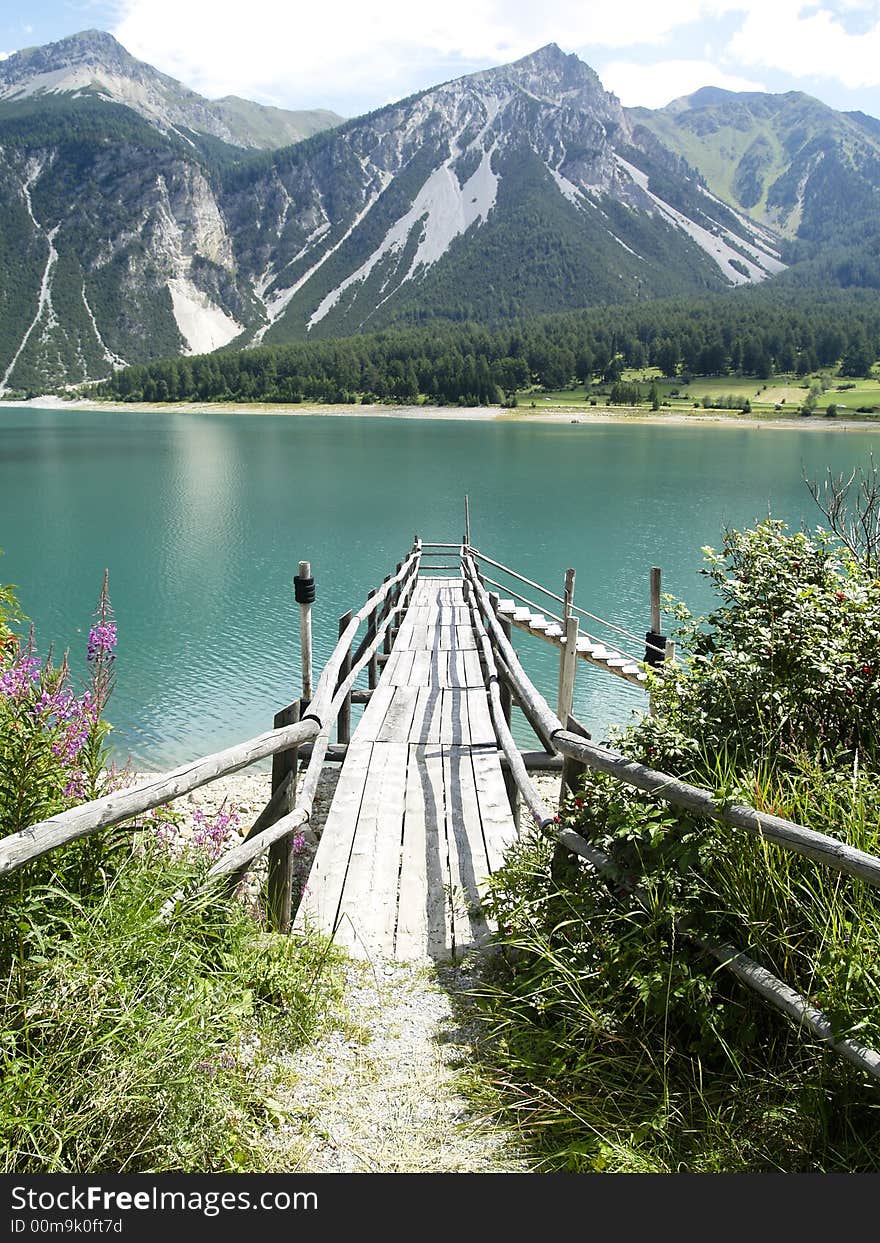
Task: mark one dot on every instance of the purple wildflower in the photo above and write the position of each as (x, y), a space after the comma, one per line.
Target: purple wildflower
(102, 639)
(18, 680)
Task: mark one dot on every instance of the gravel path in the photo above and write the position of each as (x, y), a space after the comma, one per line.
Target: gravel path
(382, 1090)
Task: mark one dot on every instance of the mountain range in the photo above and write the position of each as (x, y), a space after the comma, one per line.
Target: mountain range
(138, 219)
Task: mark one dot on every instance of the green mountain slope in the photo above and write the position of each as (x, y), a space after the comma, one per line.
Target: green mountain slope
(789, 161)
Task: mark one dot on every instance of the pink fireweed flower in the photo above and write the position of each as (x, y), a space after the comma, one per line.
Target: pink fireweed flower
(102, 640)
(18, 680)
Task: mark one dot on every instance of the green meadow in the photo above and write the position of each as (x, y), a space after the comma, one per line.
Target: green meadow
(780, 394)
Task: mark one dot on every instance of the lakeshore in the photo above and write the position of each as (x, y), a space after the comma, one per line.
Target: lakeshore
(486, 414)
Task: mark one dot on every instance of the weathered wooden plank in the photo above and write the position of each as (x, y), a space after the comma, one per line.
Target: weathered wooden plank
(320, 903)
(455, 727)
(446, 638)
(499, 830)
(427, 717)
(397, 724)
(473, 673)
(420, 669)
(397, 671)
(479, 717)
(468, 865)
(414, 637)
(370, 724)
(456, 672)
(466, 638)
(368, 907)
(423, 927)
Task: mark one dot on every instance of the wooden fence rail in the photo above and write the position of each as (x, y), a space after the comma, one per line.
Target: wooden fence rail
(785, 833)
(21, 848)
(750, 973)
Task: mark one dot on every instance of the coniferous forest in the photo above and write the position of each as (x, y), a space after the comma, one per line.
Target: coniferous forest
(755, 332)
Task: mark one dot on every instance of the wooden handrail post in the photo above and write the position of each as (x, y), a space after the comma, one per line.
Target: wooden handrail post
(280, 883)
(568, 596)
(567, 668)
(656, 644)
(386, 609)
(372, 668)
(572, 769)
(467, 521)
(343, 720)
(503, 687)
(304, 590)
(655, 598)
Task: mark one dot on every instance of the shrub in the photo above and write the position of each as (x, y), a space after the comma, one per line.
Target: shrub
(787, 662)
(138, 1026)
(147, 1043)
(619, 1043)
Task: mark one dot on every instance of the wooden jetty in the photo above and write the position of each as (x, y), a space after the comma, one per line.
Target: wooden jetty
(421, 815)
(432, 783)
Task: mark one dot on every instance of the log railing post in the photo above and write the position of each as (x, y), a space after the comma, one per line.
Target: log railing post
(372, 668)
(467, 522)
(560, 866)
(304, 591)
(656, 645)
(567, 596)
(280, 883)
(503, 685)
(567, 668)
(572, 769)
(343, 720)
(386, 609)
(655, 597)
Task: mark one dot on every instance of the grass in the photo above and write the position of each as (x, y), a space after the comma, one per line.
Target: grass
(617, 1042)
(141, 1043)
(780, 395)
(608, 1056)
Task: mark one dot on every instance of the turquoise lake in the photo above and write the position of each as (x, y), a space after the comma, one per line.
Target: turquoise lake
(202, 518)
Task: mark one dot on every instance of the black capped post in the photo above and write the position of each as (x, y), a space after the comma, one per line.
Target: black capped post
(304, 592)
(655, 641)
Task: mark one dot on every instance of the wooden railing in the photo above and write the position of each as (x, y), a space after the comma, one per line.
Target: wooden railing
(502, 662)
(305, 721)
(627, 655)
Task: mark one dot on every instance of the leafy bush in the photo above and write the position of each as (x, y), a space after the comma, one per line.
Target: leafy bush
(788, 662)
(619, 1042)
(138, 1027)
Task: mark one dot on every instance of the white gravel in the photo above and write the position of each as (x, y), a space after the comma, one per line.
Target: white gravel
(382, 1088)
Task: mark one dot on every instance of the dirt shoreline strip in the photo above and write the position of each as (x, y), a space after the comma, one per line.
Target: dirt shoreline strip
(558, 414)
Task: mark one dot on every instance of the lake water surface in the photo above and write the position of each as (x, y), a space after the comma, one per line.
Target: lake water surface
(202, 518)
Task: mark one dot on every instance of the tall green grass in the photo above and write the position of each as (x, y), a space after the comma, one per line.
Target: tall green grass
(615, 1041)
(143, 1042)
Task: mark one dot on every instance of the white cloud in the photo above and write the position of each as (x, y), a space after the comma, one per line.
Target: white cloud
(5, 55)
(307, 52)
(354, 54)
(805, 40)
(652, 86)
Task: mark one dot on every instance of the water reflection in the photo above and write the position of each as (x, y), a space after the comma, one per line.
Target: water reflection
(202, 519)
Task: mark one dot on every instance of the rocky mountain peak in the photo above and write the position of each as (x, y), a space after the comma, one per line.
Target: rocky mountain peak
(554, 77)
(89, 47)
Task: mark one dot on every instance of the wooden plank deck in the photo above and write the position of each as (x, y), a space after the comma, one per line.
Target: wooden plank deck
(420, 817)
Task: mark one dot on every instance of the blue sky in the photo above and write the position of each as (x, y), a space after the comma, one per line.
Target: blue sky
(353, 56)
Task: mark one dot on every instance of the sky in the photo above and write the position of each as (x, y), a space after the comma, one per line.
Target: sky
(356, 55)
